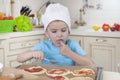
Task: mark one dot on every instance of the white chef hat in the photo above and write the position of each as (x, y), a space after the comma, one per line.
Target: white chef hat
(56, 12)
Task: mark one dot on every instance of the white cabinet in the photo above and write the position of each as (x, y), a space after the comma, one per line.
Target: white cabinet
(2, 55)
(102, 50)
(118, 54)
(2, 51)
(79, 39)
(14, 46)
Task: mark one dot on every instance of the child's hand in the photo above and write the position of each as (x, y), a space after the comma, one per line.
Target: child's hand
(38, 55)
(64, 49)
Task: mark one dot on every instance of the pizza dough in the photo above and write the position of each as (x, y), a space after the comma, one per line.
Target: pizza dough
(57, 72)
(83, 72)
(35, 70)
(81, 78)
(59, 78)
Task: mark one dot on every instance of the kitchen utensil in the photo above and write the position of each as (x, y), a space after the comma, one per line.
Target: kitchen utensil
(25, 10)
(28, 12)
(51, 61)
(22, 10)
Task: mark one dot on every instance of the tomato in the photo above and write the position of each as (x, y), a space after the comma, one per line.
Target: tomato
(10, 17)
(105, 27)
(5, 18)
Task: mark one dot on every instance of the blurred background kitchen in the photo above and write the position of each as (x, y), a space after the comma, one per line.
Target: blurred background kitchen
(93, 12)
(88, 17)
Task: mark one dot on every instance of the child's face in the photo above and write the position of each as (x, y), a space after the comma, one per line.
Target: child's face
(57, 31)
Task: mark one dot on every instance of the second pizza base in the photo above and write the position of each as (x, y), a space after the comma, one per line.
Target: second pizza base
(57, 72)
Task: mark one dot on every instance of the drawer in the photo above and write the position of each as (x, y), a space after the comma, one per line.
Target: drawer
(17, 51)
(101, 40)
(23, 44)
(12, 61)
(2, 55)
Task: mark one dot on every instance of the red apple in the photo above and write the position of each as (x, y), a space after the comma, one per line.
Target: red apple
(105, 27)
(115, 24)
(117, 27)
(10, 17)
(5, 18)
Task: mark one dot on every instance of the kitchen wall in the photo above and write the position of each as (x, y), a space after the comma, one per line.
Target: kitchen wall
(107, 13)
(1, 6)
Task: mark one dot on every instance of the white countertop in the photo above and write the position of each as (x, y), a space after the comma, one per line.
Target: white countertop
(107, 75)
(82, 31)
(87, 31)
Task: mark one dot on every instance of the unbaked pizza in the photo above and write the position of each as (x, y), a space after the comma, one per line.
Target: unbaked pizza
(57, 72)
(35, 70)
(59, 78)
(81, 78)
(83, 71)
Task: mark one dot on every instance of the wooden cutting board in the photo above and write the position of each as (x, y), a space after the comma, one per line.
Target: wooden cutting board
(26, 75)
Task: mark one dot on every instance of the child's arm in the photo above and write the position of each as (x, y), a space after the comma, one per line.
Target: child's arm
(80, 60)
(29, 55)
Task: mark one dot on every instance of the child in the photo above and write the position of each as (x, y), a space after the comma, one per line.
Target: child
(60, 49)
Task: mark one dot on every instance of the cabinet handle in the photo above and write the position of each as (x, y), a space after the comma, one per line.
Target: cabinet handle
(101, 40)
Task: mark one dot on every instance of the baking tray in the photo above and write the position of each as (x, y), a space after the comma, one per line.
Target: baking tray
(98, 70)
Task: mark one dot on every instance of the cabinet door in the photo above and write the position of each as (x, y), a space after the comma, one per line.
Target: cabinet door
(102, 51)
(12, 62)
(79, 39)
(2, 51)
(18, 45)
(1, 55)
(118, 55)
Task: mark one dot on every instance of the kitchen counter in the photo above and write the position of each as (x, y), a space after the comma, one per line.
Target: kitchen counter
(107, 75)
(91, 32)
(82, 31)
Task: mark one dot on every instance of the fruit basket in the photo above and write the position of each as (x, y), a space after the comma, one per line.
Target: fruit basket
(6, 26)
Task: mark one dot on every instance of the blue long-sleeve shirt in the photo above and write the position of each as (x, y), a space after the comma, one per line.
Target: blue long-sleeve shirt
(52, 52)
